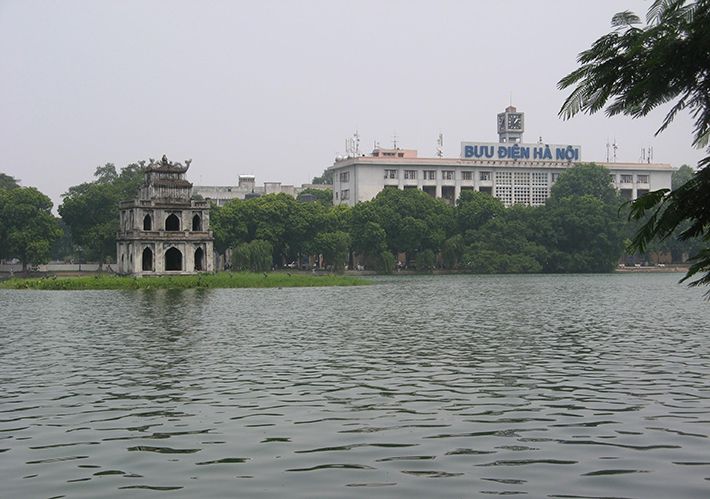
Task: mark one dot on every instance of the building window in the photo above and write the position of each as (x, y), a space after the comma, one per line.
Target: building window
(429, 174)
(539, 196)
(612, 177)
(539, 178)
(390, 173)
(627, 179)
(447, 175)
(466, 175)
(410, 174)
(521, 178)
(505, 194)
(485, 176)
(345, 194)
(642, 179)
(345, 176)
(196, 223)
(504, 178)
(172, 223)
(555, 177)
(522, 194)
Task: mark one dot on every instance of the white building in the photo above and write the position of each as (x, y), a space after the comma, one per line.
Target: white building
(514, 172)
(246, 188)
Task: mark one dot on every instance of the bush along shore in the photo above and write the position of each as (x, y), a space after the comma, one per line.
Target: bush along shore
(219, 280)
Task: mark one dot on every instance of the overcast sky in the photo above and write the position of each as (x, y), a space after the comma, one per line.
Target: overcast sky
(273, 88)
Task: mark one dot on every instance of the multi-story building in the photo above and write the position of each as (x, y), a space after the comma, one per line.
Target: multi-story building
(514, 172)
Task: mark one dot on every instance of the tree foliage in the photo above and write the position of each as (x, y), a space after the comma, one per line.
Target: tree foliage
(635, 69)
(334, 247)
(323, 196)
(91, 209)
(254, 256)
(27, 227)
(8, 182)
(578, 230)
(325, 178)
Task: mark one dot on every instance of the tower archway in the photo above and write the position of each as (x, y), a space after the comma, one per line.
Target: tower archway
(147, 223)
(172, 223)
(173, 259)
(196, 222)
(147, 264)
(199, 259)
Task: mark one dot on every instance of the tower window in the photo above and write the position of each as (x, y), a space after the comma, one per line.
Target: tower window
(172, 223)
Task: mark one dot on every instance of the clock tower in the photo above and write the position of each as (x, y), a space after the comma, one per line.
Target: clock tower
(511, 125)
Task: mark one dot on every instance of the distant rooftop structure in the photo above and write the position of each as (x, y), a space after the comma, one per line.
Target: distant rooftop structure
(247, 188)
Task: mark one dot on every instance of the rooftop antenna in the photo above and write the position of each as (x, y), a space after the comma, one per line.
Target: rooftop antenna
(614, 147)
(607, 149)
(650, 154)
(356, 136)
(440, 146)
(394, 140)
(511, 97)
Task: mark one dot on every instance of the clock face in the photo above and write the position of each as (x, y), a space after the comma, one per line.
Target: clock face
(515, 121)
(501, 122)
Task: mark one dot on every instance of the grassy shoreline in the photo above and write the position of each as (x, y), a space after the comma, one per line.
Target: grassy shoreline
(219, 280)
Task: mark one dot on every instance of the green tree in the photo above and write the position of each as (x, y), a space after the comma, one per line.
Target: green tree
(505, 244)
(586, 179)
(91, 209)
(27, 227)
(639, 69)
(474, 209)
(289, 226)
(583, 226)
(8, 182)
(334, 247)
(323, 196)
(255, 256)
(588, 235)
(452, 251)
(412, 220)
(426, 261)
(681, 176)
(325, 178)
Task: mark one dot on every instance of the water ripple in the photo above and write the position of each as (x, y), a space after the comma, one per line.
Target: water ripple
(455, 386)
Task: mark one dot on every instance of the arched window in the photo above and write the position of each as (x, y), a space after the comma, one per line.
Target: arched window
(147, 260)
(147, 223)
(199, 258)
(173, 259)
(196, 222)
(172, 223)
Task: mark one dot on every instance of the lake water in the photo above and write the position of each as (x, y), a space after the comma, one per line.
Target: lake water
(438, 386)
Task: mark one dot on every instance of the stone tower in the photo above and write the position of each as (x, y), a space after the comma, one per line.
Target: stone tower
(164, 231)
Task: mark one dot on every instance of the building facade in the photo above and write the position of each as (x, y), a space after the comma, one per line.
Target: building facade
(510, 170)
(247, 188)
(165, 231)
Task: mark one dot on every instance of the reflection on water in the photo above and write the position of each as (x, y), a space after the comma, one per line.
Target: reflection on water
(550, 386)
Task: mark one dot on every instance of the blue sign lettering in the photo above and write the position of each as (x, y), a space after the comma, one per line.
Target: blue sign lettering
(473, 150)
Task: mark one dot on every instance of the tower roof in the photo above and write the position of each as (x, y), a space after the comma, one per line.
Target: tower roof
(167, 166)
